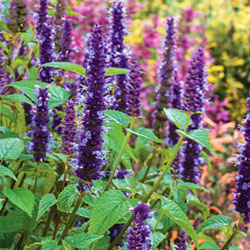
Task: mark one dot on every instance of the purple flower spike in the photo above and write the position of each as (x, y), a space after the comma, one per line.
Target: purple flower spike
(89, 153)
(45, 73)
(40, 122)
(175, 103)
(139, 233)
(18, 21)
(194, 101)
(68, 128)
(181, 241)
(3, 80)
(135, 81)
(121, 93)
(242, 196)
(42, 15)
(166, 75)
(66, 41)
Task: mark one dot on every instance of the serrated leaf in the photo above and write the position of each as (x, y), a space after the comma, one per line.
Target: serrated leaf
(200, 136)
(118, 117)
(58, 94)
(146, 133)
(67, 197)
(4, 129)
(83, 212)
(234, 248)
(157, 238)
(174, 212)
(214, 222)
(11, 148)
(6, 172)
(83, 240)
(10, 223)
(22, 198)
(46, 202)
(19, 98)
(51, 245)
(178, 117)
(208, 245)
(190, 185)
(115, 71)
(108, 210)
(73, 67)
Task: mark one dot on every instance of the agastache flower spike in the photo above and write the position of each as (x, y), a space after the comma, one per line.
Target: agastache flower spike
(194, 101)
(242, 195)
(139, 233)
(60, 12)
(18, 21)
(90, 154)
(66, 41)
(45, 73)
(40, 122)
(166, 74)
(3, 81)
(135, 81)
(68, 128)
(181, 241)
(42, 15)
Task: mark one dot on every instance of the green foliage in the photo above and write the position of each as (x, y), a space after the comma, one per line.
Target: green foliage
(22, 198)
(118, 117)
(83, 240)
(214, 222)
(10, 223)
(157, 238)
(46, 202)
(6, 172)
(108, 210)
(11, 148)
(209, 246)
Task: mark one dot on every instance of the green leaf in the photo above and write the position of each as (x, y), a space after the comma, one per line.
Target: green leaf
(190, 185)
(10, 223)
(118, 117)
(51, 245)
(4, 130)
(208, 245)
(83, 240)
(102, 244)
(204, 208)
(46, 202)
(58, 94)
(6, 172)
(234, 248)
(178, 117)
(11, 148)
(4, 47)
(214, 222)
(73, 67)
(108, 210)
(67, 197)
(174, 212)
(22, 198)
(70, 12)
(9, 135)
(146, 133)
(157, 238)
(83, 212)
(115, 71)
(200, 136)
(206, 157)
(19, 98)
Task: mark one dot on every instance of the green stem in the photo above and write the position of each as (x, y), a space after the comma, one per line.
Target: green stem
(50, 217)
(71, 218)
(119, 156)
(236, 231)
(159, 220)
(36, 177)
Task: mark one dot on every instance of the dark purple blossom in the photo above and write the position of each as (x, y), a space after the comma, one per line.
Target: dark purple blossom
(45, 73)
(135, 81)
(194, 101)
(57, 120)
(166, 75)
(121, 174)
(18, 20)
(3, 80)
(60, 13)
(66, 41)
(68, 128)
(122, 81)
(175, 103)
(139, 233)
(40, 122)
(242, 196)
(181, 241)
(42, 15)
(90, 157)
